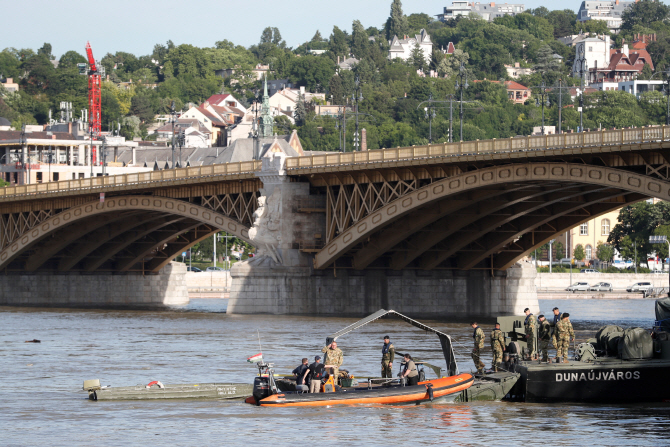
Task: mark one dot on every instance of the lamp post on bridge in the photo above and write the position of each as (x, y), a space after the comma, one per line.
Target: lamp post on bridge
(430, 114)
(666, 90)
(551, 243)
(356, 98)
(173, 113)
(660, 240)
(583, 68)
(463, 75)
(543, 93)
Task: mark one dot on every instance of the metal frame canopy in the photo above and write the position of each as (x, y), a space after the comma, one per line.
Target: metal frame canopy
(445, 340)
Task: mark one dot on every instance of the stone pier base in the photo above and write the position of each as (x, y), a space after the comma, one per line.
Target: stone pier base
(421, 294)
(167, 288)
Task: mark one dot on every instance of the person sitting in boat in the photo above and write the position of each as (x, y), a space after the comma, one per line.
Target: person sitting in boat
(299, 372)
(333, 360)
(315, 373)
(410, 372)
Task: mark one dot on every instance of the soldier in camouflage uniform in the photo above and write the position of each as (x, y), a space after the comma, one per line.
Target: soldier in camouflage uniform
(497, 346)
(333, 359)
(529, 327)
(479, 337)
(565, 333)
(544, 335)
(388, 354)
(556, 319)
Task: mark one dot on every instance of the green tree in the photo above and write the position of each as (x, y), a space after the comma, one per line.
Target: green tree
(339, 44)
(70, 60)
(417, 58)
(397, 24)
(546, 63)
(417, 22)
(451, 64)
(359, 41)
(646, 74)
(300, 113)
(643, 13)
(140, 106)
(604, 252)
(46, 51)
(578, 252)
(562, 21)
(313, 72)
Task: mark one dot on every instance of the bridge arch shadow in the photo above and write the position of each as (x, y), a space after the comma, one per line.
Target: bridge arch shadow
(119, 234)
(485, 219)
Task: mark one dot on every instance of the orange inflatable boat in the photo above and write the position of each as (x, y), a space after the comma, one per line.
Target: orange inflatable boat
(427, 391)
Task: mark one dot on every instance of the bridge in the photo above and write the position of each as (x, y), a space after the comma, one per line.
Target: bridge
(468, 210)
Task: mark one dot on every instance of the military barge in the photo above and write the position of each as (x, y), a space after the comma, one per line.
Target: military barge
(617, 366)
(156, 390)
(448, 386)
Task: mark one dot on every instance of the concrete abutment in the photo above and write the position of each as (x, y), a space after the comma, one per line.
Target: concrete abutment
(422, 294)
(96, 291)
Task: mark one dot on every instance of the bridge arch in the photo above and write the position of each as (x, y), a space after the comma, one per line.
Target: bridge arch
(156, 224)
(488, 218)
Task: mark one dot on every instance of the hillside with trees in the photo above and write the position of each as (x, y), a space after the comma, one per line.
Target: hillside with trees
(392, 89)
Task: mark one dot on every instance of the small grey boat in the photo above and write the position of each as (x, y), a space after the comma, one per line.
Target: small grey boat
(156, 390)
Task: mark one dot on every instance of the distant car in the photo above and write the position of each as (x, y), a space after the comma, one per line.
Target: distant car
(589, 271)
(640, 287)
(578, 287)
(601, 287)
(193, 269)
(215, 269)
(566, 261)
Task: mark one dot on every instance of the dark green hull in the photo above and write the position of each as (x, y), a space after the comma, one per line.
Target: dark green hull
(607, 380)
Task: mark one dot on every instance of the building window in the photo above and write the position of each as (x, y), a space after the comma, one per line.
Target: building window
(584, 229)
(39, 177)
(589, 251)
(605, 224)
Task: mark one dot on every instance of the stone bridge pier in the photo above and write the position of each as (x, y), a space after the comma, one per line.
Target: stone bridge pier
(282, 278)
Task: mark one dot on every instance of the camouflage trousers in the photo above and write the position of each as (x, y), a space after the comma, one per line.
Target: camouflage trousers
(497, 357)
(531, 346)
(544, 349)
(387, 371)
(476, 357)
(563, 345)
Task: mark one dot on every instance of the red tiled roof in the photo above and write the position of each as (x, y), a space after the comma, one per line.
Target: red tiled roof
(450, 48)
(217, 99)
(512, 85)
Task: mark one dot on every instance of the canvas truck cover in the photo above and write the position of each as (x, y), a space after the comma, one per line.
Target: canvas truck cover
(663, 313)
(636, 343)
(602, 334)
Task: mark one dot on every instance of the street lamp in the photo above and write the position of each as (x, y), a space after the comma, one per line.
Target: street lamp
(462, 86)
(430, 114)
(551, 243)
(173, 113)
(661, 240)
(581, 60)
(357, 97)
(23, 150)
(666, 90)
(543, 93)
(90, 152)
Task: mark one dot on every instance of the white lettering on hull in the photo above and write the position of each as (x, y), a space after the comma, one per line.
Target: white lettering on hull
(593, 376)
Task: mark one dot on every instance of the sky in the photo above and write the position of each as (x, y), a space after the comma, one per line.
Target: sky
(135, 26)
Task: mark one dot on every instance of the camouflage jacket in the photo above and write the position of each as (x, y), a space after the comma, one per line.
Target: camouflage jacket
(479, 338)
(497, 340)
(545, 330)
(564, 329)
(529, 324)
(390, 354)
(334, 357)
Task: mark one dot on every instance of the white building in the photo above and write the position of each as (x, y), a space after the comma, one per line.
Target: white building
(515, 71)
(636, 87)
(596, 54)
(402, 48)
(487, 11)
(610, 11)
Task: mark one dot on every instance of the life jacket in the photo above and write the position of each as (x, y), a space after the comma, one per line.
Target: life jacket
(316, 371)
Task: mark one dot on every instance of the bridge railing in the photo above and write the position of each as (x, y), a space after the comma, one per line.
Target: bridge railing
(529, 143)
(133, 178)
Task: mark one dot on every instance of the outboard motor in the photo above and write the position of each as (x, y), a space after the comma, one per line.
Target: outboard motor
(261, 389)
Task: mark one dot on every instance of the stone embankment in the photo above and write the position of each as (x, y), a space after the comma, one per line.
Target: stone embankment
(208, 284)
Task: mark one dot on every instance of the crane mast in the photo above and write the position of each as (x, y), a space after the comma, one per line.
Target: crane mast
(94, 98)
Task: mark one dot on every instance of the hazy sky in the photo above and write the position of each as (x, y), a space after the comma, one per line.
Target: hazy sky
(136, 26)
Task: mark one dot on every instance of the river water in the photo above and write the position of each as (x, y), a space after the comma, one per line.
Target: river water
(41, 402)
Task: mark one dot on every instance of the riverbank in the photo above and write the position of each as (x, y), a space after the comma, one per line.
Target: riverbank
(557, 295)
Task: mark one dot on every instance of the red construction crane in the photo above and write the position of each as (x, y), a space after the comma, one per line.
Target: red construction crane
(94, 117)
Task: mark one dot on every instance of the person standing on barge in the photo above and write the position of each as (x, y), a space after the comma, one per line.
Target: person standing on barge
(478, 336)
(388, 355)
(333, 360)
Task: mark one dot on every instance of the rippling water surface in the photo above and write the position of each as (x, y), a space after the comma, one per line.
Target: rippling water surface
(41, 402)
